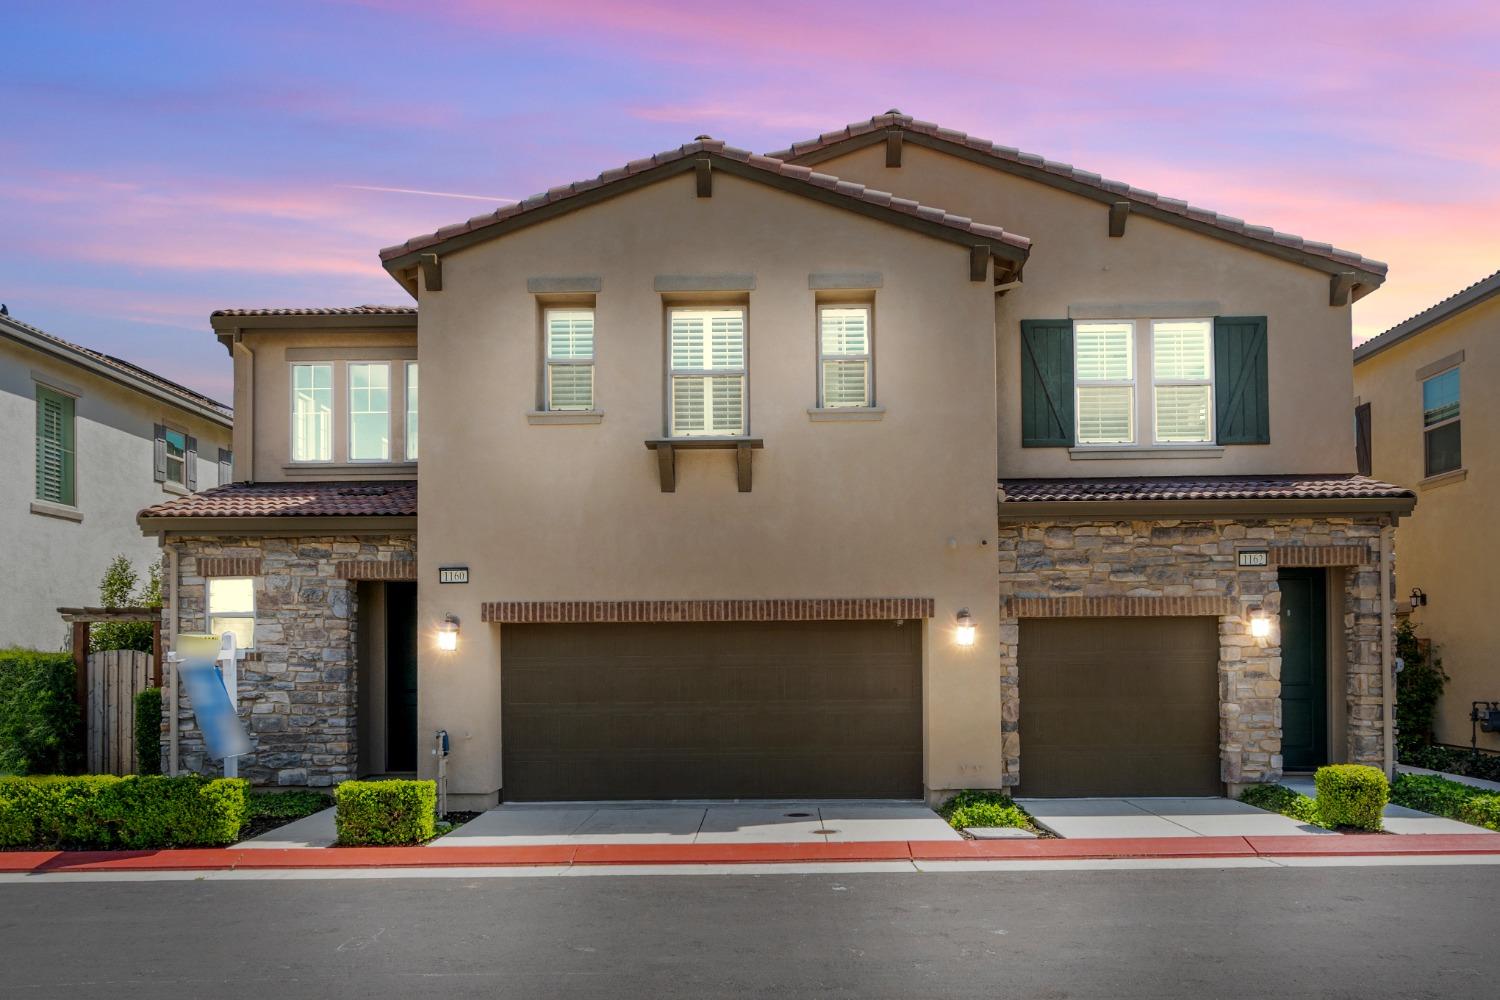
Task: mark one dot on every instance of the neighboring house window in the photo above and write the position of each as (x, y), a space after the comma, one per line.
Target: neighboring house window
(707, 372)
(312, 413)
(844, 356)
(231, 608)
(1104, 367)
(411, 411)
(369, 412)
(570, 359)
(56, 455)
(176, 458)
(1182, 380)
(176, 442)
(1440, 430)
(1363, 453)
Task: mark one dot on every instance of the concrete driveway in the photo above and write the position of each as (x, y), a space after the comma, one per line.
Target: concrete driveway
(1152, 817)
(528, 824)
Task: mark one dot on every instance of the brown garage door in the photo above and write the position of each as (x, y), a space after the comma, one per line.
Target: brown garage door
(711, 710)
(1120, 706)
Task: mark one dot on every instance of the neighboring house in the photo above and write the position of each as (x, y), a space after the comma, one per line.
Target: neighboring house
(1428, 418)
(89, 440)
(740, 480)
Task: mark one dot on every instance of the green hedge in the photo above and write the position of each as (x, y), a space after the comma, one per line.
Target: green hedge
(148, 731)
(38, 715)
(102, 810)
(1287, 801)
(1352, 795)
(372, 813)
(984, 809)
(1441, 797)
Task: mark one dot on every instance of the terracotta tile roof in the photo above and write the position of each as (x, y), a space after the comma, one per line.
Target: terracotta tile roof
(345, 499)
(1480, 291)
(855, 192)
(328, 311)
(117, 368)
(1167, 488)
(1119, 189)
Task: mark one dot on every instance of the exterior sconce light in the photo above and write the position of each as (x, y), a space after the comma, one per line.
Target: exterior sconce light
(1418, 598)
(964, 635)
(1260, 623)
(447, 633)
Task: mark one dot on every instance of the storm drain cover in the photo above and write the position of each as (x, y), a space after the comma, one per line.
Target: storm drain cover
(798, 815)
(824, 830)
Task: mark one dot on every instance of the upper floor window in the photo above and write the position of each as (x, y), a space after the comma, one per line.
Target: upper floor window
(570, 359)
(411, 411)
(1104, 366)
(312, 413)
(56, 455)
(231, 608)
(369, 412)
(844, 358)
(706, 372)
(176, 445)
(1440, 423)
(1177, 407)
(1182, 380)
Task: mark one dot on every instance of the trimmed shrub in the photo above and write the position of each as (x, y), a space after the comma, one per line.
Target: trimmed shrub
(1287, 801)
(976, 808)
(1453, 760)
(148, 731)
(1352, 795)
(1454, 799)
(136, 811)
(1482, 810)
(382, 813)
(38, 716)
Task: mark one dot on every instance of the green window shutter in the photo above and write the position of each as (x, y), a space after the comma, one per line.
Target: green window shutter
(1242, 413)
(159, 454)
(55, 455)
(190, 465)
(1046, 383)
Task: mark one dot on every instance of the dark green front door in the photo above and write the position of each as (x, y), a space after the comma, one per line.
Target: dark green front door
(1304, 669)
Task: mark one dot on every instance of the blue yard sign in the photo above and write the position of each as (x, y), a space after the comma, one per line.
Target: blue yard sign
(197, 665)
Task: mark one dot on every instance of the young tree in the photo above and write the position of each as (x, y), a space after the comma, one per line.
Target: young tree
(118, 590)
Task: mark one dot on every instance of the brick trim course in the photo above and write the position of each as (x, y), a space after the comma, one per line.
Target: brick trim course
(1110, 607)
(376, 569)
(221, 566)
(766, 610)
(1323, 555)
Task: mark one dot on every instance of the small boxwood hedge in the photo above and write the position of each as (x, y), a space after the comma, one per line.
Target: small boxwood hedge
(1287, 801)
(974, 808)
(384, 813)
(148, 731)
(1442, 797)
(38, 714)
(1352, 795)
(136, 811)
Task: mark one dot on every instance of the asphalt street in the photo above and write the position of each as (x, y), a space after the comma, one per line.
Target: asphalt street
(1307, 932)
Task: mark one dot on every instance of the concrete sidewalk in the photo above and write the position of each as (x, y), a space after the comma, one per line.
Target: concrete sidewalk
(1162, 817)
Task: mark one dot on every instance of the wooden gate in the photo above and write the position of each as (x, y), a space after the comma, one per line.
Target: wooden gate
(115, 676)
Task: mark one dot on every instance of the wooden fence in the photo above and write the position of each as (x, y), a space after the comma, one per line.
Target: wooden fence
(115, 676)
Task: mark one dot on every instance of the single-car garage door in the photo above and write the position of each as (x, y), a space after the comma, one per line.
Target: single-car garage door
(711, 710)
(1119, 706)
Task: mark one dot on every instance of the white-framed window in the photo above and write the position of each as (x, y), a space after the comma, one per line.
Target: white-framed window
(845, 375)
(1441, 434)
(1182, 381)
(312, 413)
(706, 372)
(570, 359)
(369, 411)
(411, 411)
(177, 447)
(1104, 373)
(231, 608)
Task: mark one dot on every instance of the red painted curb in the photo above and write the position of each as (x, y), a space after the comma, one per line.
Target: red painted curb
(730, 854)
(1377, 844)
(1122, 847)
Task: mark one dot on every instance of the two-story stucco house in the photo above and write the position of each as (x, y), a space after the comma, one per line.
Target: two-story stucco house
(738, 479)
(1427, 418)
(89, 440)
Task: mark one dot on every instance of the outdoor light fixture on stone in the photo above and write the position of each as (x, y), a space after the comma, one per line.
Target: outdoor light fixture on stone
(1260, 623)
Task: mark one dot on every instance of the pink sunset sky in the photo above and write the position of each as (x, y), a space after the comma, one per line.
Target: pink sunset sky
(163, 161)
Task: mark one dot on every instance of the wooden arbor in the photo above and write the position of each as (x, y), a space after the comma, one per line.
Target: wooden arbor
(81, 619)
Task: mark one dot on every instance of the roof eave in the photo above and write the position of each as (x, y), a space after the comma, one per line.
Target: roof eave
(227, 328)
(1018, 511)
(1422, 322)
(358, 524)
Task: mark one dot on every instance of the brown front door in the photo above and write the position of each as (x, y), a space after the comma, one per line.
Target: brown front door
(1119, 706)
(711, 710)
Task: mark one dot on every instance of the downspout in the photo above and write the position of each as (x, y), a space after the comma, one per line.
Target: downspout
(173, 581)
(244, 410)
(1387, 660)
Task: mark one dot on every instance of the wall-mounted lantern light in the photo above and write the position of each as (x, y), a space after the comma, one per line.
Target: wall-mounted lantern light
(447, 633)
(1418, 598)
(1260, 623)
(964, 634)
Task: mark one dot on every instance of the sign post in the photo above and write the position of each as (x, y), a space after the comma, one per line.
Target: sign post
(209, 667)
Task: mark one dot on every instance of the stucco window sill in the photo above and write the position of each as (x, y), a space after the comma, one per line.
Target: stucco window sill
(341, 470)
(1443, 479)
(832, 414)
(573, 417)
(56, 510)
(176, 489)
(1103, 452)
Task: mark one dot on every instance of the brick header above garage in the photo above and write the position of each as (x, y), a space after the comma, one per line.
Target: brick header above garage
(765, 610)
(1112, 606)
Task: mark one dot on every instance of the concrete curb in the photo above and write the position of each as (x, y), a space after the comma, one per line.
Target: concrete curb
(234, 858)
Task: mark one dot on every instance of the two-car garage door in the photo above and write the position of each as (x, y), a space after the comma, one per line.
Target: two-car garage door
(712, 710)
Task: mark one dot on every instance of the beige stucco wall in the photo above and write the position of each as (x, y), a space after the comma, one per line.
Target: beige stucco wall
(48, 562)
(1076, 264)
(1448, 546)
(263, 400)
(847, 509)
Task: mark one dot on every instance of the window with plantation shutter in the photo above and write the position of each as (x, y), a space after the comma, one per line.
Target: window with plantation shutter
(1182, 380)
(844, 375)
(1104, 370)
(570, 359)
(707, 372)
(55, 449)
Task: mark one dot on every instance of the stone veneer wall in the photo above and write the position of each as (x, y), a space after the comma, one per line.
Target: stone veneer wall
(298, 689)
(1135, 567)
